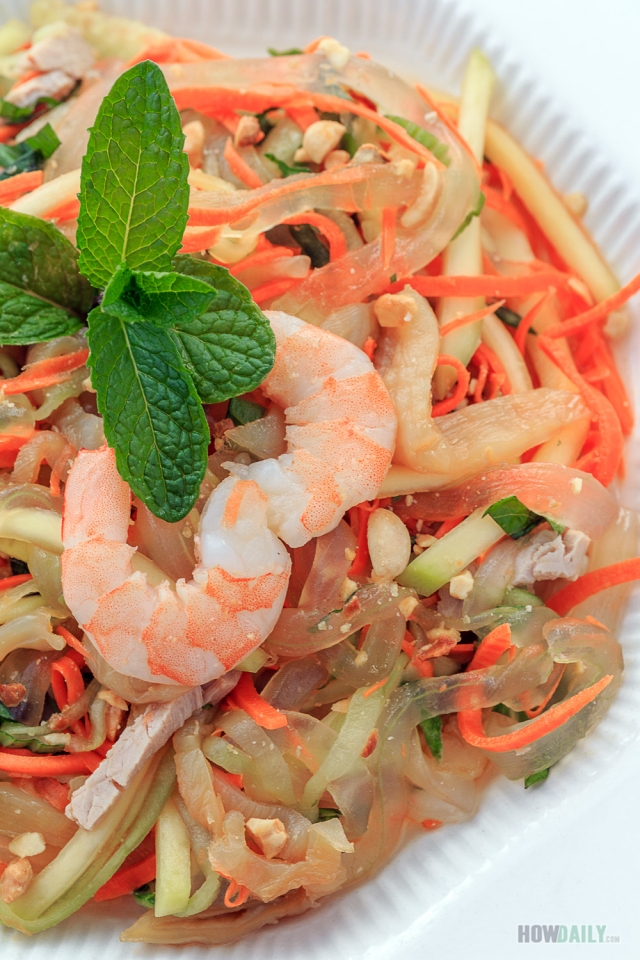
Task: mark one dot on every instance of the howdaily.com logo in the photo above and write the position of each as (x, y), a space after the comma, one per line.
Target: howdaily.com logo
(558, 933)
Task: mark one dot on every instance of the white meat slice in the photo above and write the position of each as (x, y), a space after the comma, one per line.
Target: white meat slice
(146, 735)
(66, 51)
(545, 555)
(55, 84)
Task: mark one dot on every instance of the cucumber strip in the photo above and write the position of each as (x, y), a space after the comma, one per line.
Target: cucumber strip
(449, 556)
(173, 858)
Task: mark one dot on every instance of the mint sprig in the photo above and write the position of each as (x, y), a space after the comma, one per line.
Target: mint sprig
(516, 519)
(134, 194)
(151, 411)
(171, 332)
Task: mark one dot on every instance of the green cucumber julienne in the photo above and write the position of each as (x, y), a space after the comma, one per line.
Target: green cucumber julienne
(167, 333)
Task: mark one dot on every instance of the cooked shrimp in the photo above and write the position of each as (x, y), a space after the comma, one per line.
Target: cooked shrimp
(341, 430)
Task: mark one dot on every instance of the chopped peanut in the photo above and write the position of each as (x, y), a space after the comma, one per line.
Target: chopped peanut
(270, 835)
(348, 588)
(11, 694)
(337, 158)
(27, 845)
(321, 137)
(16, 880)
(461, 585)
(367, 153)
(389, 545)
(577, 203)
(335, 52)
(407, 606)
(248, 132)
(394, 309)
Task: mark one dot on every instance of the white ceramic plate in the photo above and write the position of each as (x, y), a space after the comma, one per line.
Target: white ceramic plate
(463, 889)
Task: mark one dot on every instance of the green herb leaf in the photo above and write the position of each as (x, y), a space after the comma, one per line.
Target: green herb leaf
(286, 169)
(263, 119)
(510, 317)
(516, 597)
(432, 729)
(230, 349)
(502, 708)
(427, 139)
(162, 298)
(16, 114)
(292, 52)
(18, 567)
(30, 154)
(328, 813)
(477, 210)
(134, 193)
(349, 143)
(536, 778)
(244, 411)
(42, 294)
(152, 416)
(10, 736)
(146, 895)
(514, 518)
(4, 713)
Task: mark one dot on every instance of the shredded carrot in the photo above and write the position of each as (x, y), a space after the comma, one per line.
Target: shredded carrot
(9, 130)
(525, 323)
(18, 185)
(257, 707)
(369, 347)
(558, 669)
(46, 765)
(236, 894)
(483, 285)
(450, 403)
(239, 166)
(449, 124)
(54, 792)
(424, 666)
(376, 686)
(196, 239)
(491, 648)
(593, 582)
(447, 526)
(495, 200)
(485, 354)
(601, 310)
(274, 288)
(462, 652)
(431, 824)
(408, 644)
(471, 729)
(212, 216)
(128, 878)
(44, 373)
(329, 229)
(470, 318)
(388, 237)
(361, 515)
(10, 582)
(260, 258)
(177, 50)
(72, 641)
(66, 682)
(302, 114)
(67, 210)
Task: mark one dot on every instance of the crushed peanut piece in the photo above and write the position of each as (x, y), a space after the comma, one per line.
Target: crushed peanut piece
(394, 309)
(248, 132)
(407, 606)
(461, 585)
(321, 137)
(27, 845)
(15, 880)
(194, 142)
(269, 835)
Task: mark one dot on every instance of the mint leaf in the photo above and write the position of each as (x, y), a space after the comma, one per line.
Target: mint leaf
(16, 114)
(292, 52)
(42, 294)
(432, 729)
(286, 169)
(230, 349)
(244, 411)
(4, 713)
(514, 518)
(477, 210)
(162, 298)
(427, 139)
(134, 193)
(30, 154)
(328, 813)
(152, 416)
(536, 778)
(45, 141)
(510, 317)
(146, 896)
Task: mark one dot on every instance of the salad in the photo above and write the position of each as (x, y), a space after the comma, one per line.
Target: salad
(309, 432)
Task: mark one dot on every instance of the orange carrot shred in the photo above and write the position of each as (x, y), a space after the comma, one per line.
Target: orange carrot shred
(16, 581)
(601, 310)
(44, 373)
(525, 323)
(70, 640)
(66, 682)
(128, 878)
(388, 236)
(239, 166)
(67, 210)
(376, 686)
(47, 765)
(450, 403)
(369, 347)
(471, 729)
(274, 288)
(14, 187)
(249, 700)
(483, 285)
(260, 258)
(593, 582)
(196, 239)
(54, 792)
(446, 526)
(329, 229)
(236, 894)
(470, 318)
(431, 824)
(491, 648)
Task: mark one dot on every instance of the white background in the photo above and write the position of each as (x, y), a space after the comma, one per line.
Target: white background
(575, 867)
